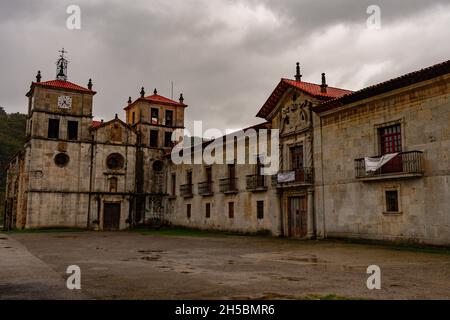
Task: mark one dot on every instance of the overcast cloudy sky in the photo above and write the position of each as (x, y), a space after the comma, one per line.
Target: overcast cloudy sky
(226, 56)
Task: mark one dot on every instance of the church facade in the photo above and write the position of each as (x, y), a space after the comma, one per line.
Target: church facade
(369, 164)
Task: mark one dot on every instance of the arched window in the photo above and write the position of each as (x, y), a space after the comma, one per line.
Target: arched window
(115, 161)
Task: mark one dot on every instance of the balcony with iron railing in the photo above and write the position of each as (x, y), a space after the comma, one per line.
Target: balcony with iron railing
(186, 190)
(404, 165)
(256, 182)
(285, 178)
(205, 188)
(228, 185)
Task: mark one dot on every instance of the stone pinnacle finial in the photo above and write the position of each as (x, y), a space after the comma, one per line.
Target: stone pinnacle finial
(142, 92)
(323, 86)
(181, 98)
(90, 84)
(155, 91)
(129, 100)
(298, 76)
(38, 76)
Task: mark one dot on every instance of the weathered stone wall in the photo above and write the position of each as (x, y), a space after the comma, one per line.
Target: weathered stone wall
(355, 208)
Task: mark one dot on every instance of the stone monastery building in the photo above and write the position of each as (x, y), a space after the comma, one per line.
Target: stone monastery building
(372, 164)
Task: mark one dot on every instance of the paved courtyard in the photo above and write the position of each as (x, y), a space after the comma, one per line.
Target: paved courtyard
(171, 265)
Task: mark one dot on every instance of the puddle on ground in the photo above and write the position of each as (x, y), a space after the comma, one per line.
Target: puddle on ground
(150, 251)
(151, 258)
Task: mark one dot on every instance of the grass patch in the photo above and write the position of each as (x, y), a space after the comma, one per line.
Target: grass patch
(187, 232)
(398, 246)
(45, 230)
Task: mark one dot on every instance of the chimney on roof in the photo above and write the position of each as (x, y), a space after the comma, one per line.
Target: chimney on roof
(181, 98)
(323, 86)
(129, 100)
(155, 91)
(90, 84)
(38, 76)
(298, 76)
(142, 92)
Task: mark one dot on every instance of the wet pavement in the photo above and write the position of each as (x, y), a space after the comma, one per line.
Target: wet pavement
(131, 265)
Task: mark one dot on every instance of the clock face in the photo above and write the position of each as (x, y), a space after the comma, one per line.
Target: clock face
(64, 102)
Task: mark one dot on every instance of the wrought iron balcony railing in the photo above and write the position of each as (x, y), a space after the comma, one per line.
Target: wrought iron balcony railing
(256, 182)
(228, 185)
(296, 176)
(205, 188)
(407, 163)
(186, 190)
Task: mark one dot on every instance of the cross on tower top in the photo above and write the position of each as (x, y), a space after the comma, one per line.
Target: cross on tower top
(61, 66)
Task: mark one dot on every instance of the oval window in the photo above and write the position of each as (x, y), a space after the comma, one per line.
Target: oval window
(61, 159)
(115, 161)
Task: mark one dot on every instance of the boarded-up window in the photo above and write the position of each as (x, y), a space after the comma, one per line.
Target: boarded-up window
(260, 209)
(113, 184)
(188, 210)
(53, 128)
(116, 132)
(231, 210)
(154, 138)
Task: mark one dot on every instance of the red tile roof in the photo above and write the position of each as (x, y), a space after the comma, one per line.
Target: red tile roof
(63, 85)
(307, 87)
(425, 74)
(96, 123)
(156, 98)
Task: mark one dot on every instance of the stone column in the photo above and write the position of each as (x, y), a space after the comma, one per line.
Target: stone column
(310, 221)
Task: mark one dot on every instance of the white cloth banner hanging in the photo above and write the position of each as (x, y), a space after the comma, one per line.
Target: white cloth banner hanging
(373, 164)
(286, 176)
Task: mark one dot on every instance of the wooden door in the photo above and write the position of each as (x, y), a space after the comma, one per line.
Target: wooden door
(111, 216)
(391, 142)
(297, 217)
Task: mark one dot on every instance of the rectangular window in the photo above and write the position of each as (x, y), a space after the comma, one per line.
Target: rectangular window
(260, 209)
(174, 183)
(169, 118)
(188, 210)
(390, 139)
(72, 130)
(297, 158)
(154, 138)
(392, 201)
(208, 210)
(53, 128)
(167, 139)
(231, 210)
(154, 116)
(189, 177)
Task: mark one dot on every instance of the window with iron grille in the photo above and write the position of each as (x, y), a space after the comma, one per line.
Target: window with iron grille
(260, 209)
(188, 210)
(231, 210)
(208, 210)
(392, 201)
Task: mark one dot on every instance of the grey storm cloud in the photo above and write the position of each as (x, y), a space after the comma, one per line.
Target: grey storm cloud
(226, 56)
